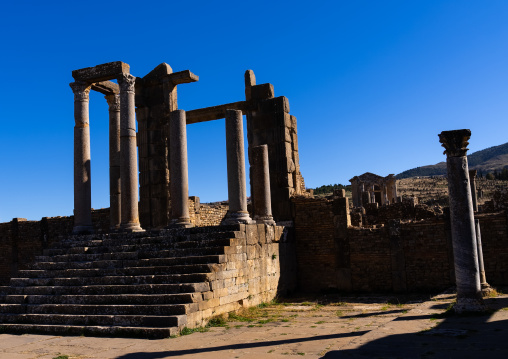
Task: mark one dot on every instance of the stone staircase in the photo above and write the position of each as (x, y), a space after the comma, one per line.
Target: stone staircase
(133, 285)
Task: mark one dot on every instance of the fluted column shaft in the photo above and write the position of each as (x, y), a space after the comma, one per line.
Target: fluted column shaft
(261, 198)
(179, 186)
(465, 252)
(128, 156)
(82, 181)
(114, 161)
(237, 187)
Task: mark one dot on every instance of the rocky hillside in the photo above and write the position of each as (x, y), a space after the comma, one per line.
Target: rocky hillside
(485, 161)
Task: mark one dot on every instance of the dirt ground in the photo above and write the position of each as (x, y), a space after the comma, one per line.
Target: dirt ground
(383, 326)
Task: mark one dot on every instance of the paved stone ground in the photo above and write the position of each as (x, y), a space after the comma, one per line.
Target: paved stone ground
(347, 327)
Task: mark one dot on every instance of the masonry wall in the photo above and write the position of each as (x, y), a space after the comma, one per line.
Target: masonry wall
(258, 265)
(412, 255)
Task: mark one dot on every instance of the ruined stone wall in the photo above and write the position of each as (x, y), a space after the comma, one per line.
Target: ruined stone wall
(258, 266)
(271, 124)
(395, 256)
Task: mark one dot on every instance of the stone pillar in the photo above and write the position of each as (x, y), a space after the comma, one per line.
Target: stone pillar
(260, 190)
(465, 254)
(179, 185)
(486, 288)
(114, 161)
(82, 181)
(472, 181)
(128, 156)
(237, 191)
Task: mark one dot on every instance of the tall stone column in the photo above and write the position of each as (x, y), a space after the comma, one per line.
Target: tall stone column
(128, 156)
(260, 190)
(237, 187)
(82, 181)
(465, 254)
(472, 181)
(486, 288)
(114, 161)
(179, 185)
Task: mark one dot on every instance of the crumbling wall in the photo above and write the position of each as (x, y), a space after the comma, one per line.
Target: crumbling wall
(410, 255)
(258, 265)
(270, 123)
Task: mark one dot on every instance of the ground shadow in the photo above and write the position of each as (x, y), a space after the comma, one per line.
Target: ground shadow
(174, 353)
(457, 336)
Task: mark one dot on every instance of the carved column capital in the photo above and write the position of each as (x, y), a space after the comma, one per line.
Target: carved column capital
(127, 82)
(455, 142)
(81, 91)
(113, 102)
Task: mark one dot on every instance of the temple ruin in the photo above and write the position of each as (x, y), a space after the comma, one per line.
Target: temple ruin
(151, 268)
(371, 188)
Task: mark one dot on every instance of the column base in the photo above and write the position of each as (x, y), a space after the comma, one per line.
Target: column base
(237, 218)
(465, 305)
(130, 227)
(487, 290)
(180, 223)
(82, 230)
(264, 220)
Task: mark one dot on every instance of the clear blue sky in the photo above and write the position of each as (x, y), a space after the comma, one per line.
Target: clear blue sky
(371, 83)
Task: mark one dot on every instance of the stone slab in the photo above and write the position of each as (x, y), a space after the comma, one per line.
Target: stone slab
(103, 72)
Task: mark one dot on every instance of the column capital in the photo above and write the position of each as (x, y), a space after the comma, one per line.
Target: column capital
(455, 142)
(81, 91)
(113, 102)
(126, 82)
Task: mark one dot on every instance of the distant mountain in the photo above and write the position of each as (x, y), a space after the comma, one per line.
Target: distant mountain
(487, 160)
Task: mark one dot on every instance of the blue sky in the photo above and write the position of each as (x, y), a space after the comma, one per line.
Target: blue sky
(371, 83)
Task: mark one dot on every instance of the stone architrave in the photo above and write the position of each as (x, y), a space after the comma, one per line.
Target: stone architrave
(486, 288)
(261, 185)
(114, 161)
(465, 253)
(179, 186)
(237, 187)
(472, 181)
(82, 180)
(128, 156)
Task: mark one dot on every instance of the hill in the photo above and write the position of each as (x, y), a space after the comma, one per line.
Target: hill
(485, 161)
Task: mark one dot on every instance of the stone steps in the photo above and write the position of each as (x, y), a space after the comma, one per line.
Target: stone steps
(111, 280)
(98, 331)
(178, 298)
(125, 271)
(96, 320)
(110, 289)
(133, 285)
(90, 309)
(60, 263)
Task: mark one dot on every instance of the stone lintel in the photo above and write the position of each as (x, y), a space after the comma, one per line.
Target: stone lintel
(216, 112)
(182, 77)
(455, 142)
(103, 72)
(106, 88)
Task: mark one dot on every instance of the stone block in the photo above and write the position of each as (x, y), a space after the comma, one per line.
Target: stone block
(261, 233)
(262, 92)
(270, 234)
(251, 234)
(103, 72)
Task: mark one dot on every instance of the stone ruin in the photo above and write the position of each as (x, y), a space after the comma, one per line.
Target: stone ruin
(172, 263)
(371, 188)
(152, 101)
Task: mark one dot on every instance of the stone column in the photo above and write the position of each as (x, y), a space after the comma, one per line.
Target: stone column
(472, 181)
(128, 156)
(260, 190)
(179, 185)
(114, 161)
(237, 191)
(486, 288)
(82, 184)
(465, 254)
